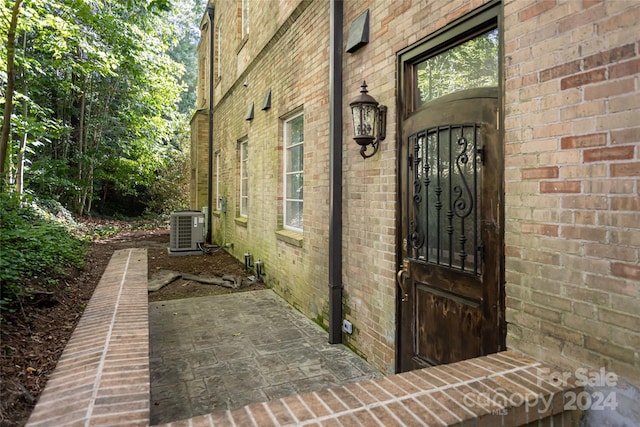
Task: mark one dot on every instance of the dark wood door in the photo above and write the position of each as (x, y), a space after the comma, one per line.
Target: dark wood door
(451, 191)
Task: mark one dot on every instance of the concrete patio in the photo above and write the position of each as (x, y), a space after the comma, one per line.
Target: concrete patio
(227, 351)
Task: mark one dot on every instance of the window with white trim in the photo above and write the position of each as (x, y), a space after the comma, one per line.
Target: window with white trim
(245, 18)
(217, 180)
(244, 177)
(293, 172)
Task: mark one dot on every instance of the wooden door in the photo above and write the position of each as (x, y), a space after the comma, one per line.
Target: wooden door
(451, 280)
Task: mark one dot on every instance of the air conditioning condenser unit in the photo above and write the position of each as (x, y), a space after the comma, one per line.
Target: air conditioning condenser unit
(186, 232)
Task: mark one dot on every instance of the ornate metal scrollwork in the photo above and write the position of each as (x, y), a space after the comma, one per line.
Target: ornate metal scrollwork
(416, 238)
(462, 208)
(416, 234)
(444, 172)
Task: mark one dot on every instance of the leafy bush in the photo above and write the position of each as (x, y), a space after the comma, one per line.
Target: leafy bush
(35, 241)
(170, 190)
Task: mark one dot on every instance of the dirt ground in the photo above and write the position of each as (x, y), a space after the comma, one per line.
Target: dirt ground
(34, 336)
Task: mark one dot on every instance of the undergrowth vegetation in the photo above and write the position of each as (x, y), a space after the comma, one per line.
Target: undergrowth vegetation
(39, 241)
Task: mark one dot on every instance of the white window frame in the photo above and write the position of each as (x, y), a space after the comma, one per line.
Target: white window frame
(217, 158)
(287, 173)
(245, 18)
(243, 145)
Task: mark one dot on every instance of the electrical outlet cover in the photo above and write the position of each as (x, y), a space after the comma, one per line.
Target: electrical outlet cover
(347, 326)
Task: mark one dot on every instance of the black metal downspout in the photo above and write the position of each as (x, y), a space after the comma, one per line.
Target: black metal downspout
(335, 174)
(210, 133)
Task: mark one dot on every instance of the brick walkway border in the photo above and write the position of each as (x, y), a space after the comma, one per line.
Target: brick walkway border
(497, 390)
(102, 379)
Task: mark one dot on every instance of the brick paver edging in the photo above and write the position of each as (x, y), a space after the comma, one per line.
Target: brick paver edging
(502, 389)
(102, 377)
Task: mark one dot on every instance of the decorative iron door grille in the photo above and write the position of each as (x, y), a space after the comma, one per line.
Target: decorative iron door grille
(444, 228)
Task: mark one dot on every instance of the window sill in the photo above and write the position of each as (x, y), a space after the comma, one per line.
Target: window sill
(291, 237)
(241, 221)
(242, 43)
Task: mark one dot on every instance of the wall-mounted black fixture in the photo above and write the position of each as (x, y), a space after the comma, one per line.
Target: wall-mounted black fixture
(369, 122)
(266, 104)
(358, 32)
(249, 115)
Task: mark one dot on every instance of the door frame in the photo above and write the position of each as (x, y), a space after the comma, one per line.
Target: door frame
(475, 22)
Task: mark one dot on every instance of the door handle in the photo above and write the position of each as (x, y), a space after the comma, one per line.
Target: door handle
(400, 280)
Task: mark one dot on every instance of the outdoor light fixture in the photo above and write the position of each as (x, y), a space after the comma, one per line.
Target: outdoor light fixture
(369, 122)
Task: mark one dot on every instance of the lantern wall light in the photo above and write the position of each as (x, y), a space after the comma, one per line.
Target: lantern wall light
(369, 122)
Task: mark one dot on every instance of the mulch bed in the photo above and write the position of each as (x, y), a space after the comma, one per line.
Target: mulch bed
(33, 336)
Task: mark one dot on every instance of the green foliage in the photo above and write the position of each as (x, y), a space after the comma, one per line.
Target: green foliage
(36, 241)
(104, 231)
(469, 65)
(170, 189)
(103, 92)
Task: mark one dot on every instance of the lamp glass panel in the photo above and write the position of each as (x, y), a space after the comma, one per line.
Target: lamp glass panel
(364, 120)
(355, 112)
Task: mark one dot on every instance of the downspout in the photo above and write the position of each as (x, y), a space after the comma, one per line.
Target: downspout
(335, 172)
(210, 133)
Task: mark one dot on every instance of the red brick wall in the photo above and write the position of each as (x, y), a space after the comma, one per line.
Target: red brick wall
(572, 138)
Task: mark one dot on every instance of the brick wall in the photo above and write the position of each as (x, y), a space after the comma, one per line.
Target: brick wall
(497, 390)
(370, 186)
(571, 135)
(199, 161)
(102, 376)
(572, 138)
(287, 52)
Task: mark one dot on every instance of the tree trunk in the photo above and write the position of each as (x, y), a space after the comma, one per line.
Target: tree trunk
(105, 191)
(11, 78)
(20, 160)
(77, 123)
(23, 144)
(90, 198)
(82, 142)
